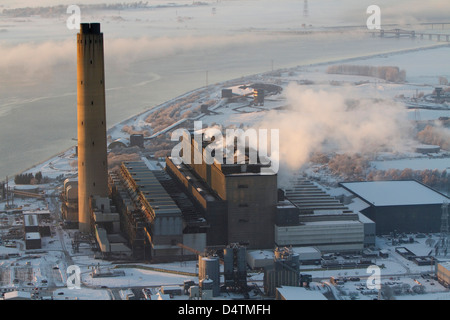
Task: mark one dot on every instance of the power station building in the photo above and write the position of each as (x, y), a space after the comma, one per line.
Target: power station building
(400, 206)
(155, 215)
(176, 213)
(238, 200)
(309, 217)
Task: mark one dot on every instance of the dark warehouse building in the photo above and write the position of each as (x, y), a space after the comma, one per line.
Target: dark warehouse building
(400, 206)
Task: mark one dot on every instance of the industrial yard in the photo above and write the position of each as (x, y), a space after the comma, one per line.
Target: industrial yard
(42, 273)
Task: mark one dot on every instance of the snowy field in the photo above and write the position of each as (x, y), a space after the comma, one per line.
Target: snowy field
(414, 164)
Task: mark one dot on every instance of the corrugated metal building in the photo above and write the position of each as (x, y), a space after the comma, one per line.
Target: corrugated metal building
(247, 196)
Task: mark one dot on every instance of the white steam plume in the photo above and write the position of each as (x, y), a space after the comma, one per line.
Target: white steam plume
(37, 59)
(321, 121)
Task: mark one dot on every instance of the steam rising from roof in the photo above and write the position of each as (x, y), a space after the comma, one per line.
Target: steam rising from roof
(321, 121)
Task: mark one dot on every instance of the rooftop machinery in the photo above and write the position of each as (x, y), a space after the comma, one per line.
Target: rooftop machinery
(234, 270)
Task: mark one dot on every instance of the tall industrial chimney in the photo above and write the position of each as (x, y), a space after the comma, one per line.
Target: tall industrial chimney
(91, 117)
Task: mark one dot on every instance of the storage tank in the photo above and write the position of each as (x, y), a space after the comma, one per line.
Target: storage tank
(206, 284)
(241, 266)
(228, 257)
(209, 269)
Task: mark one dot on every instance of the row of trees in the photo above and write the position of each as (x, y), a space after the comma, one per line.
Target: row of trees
(29, 178)
(357, 168)
(346, 166)
(180, 109)
(388, 73)
(353, 167)
(439, 180)
(116, 157)
(132, 130)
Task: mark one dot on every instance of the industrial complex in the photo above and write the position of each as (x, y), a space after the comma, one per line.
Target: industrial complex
(222, 215)
(245, 235)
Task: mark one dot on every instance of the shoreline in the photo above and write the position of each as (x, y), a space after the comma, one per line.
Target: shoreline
(157, 107)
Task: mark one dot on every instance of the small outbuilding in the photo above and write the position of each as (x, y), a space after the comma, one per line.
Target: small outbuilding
(32, 240)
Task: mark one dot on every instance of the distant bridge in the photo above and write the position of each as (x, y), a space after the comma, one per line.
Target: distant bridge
(413, 34)
(432, 24)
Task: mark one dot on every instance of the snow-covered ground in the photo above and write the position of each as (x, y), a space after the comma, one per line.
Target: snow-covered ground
(423, 163)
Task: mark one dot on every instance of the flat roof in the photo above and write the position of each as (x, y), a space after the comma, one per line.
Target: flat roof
(445, 264)
(395, 193)
(32, 236)
(155, 194)
(299, 293)
(301, 250)
(308, 196)
(261, 254)
(17, 295)
(268, 254)
(329, 222)
(204, 190)
(30, 220)
(36, 212)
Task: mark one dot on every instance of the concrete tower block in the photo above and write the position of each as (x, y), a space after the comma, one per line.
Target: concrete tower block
(91, 118)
